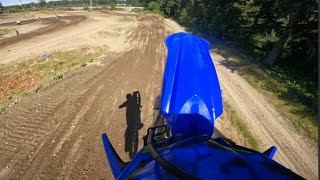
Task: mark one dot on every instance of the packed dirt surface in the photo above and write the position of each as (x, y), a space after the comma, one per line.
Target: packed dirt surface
(30, 28)
(56, 133)
(66, 31)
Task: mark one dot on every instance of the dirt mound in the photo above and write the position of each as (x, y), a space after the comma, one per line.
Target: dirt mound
(13, 23)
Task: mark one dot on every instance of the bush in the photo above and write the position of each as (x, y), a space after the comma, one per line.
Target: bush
(113, 6)
(154, 6)
(184, 18)
(42, 3)
(145, 11)
(1, 8)
(136, 3)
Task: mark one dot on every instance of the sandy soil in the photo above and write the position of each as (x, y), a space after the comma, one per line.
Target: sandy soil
(22, 29)
(56, 133)
(70, 31)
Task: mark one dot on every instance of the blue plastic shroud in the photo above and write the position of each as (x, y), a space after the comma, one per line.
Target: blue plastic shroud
(191, 97)
(204, 160)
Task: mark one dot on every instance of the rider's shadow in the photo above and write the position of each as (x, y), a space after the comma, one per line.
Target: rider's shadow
(133, 118)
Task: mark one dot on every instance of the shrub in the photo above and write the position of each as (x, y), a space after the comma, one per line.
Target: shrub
(154, 6)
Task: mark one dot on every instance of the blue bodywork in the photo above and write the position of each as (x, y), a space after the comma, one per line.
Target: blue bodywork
(197, 157)
(191, 97)
(191, 101)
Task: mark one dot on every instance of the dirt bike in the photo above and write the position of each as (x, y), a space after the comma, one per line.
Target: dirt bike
(183, 143)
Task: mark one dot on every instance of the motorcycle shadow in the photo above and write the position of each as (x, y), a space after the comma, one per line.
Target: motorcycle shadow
(133, 119)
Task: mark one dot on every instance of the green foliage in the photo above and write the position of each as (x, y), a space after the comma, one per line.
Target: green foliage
(103, 2)
(113, 6)
(256, 27)
(42, 3)
(5, 31)
(171, 8)
(107, 8)
(145, 11)
(1, 8)
(137, 10)
(184, 18)
(300, 88)
(136, 3)
(153, 6)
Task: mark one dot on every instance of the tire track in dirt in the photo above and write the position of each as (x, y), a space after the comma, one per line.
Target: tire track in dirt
(30, 129)
(56, 151)
(63, 133)
(58, 115)
(75, 119)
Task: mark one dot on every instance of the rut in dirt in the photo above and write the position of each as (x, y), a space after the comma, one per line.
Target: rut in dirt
(56, 133)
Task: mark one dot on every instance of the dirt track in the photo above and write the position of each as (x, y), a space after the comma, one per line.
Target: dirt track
(56, 133)
(73, 30)
(51, 24)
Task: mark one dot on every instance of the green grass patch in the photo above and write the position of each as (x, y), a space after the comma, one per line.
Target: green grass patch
(145, 11)
(106, 8)
(31, 75)
(60, 8)
(5, 31)
(294, 99)
(245, 135)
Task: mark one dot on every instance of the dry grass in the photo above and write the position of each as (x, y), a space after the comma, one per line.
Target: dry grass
(9, 84)
(5, 31)
(26, 76)
(118, 31)
(126, 19)
(275, 91)
(234, 128)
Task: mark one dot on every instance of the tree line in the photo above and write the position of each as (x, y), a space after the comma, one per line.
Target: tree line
(277, 32)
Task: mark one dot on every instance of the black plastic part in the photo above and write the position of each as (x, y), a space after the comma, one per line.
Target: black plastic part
(164, 163)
